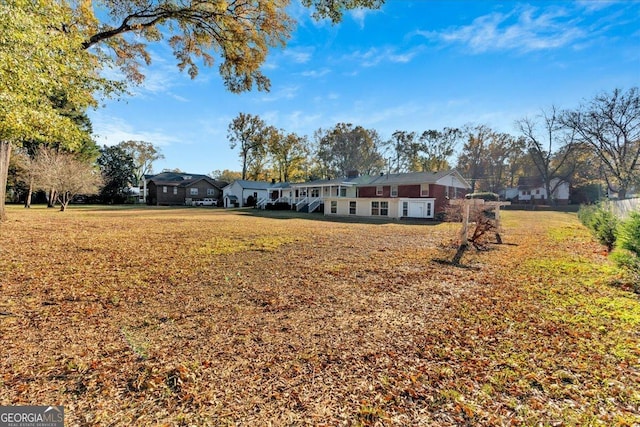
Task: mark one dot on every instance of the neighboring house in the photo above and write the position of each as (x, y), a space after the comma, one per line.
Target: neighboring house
(403, 195)
(531, 190)
(241, 193)
(509, 194)
(173, 188)
(311, 196)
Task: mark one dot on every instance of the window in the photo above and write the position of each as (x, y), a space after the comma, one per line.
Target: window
(352, 207)
(193, 191)
(384, 208)
(375, 208)
(315, 192)
(175, 190)
(428, 210)
(211, 192)
(538, 191)
(405, 208)
(424, 190)
(164, 188)
(343, 192)
(334, 207)
(379, 190)
(394, 191)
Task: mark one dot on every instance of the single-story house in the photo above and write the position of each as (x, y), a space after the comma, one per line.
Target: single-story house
(532, 190)
(241, 193)
(173, 188)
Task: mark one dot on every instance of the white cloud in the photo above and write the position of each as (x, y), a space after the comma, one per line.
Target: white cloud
(298, 55)
(285, 92)
(525, 29)
(375, 56)
(315, 73)
(113, 130)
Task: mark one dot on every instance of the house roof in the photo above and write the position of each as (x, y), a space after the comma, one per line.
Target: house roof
(180, 179)
(414, 177)
(530, 182)
(254, 185)
(363, 179)
(386, 179)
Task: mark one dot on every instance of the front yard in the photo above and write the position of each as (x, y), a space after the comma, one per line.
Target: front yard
(211, 317)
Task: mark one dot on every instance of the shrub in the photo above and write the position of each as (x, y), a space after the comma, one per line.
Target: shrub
(602, 223)
(627, 250)
(486, 196)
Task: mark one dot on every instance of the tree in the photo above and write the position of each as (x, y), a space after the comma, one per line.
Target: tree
(502, 149)
(68, 173)
(346, 148)
(437, 147)
(405, 152)
(471, 159)
(610, 125)
(143, 155)
(248, 132)
(49, 46)
(550, 146)
(117, 169)
(226, 175)
(38, 62)
(288, 153)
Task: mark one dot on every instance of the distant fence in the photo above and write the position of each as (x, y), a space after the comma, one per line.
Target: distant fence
(622, 208)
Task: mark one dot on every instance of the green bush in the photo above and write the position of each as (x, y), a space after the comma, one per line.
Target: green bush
(627, 250)
(602, 223)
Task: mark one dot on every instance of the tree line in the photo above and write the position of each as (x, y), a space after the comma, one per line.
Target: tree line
(595, 147)
(101, 175)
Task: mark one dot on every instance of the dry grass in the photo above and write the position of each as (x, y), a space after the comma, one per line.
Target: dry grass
(210, 317)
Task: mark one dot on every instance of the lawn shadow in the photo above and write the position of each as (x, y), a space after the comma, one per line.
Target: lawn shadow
(317, 216)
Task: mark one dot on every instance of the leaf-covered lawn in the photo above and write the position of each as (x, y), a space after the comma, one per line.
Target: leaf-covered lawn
(211, 317)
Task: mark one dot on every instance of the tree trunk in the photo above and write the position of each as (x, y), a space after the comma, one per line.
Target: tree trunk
(622, 193)
(52, 198)
(27, 201)
(5, 155)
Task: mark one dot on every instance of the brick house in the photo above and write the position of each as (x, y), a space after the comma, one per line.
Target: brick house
(173, 188)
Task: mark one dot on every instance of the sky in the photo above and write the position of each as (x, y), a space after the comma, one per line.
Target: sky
(411, 65)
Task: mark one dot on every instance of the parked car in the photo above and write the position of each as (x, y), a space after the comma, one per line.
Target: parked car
(205, 202)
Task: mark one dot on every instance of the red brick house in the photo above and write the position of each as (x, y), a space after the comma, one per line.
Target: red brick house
(172, 188)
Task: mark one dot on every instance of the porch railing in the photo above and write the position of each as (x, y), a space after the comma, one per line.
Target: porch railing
(302, 203)
(314, 204)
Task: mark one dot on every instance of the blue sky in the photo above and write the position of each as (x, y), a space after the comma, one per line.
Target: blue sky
(412, 65)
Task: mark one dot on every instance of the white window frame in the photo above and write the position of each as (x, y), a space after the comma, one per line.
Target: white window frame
(353, 207)
(334, 207)
(211, 191)
(379, 190)
(193, 191)
(375, 208)
(424, 190)
(175, 190)
(405, 209)
(394, 191)
(384, 208)
(164, 188)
